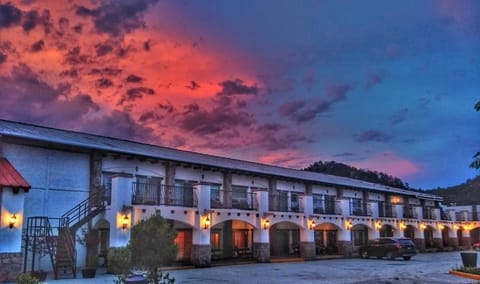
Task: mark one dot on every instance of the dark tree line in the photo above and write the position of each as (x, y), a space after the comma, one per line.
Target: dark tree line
(339, 169)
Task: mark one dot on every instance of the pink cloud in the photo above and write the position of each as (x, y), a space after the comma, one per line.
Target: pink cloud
(389, 163)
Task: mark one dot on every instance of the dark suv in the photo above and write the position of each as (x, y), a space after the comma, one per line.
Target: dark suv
(389, 247)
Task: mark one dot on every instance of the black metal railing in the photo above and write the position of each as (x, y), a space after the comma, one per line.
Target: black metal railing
(386, 211)
(409, 212)
(359, 209)
(428, 213)
(284, 201)
(332, 208)
(161, 194)
(460, 216)
(233, 199)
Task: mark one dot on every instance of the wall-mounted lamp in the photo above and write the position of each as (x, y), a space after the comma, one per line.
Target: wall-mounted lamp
(378, 225)
(312, 224)
(423, 226)
(206, 222)
(468, 227)
(456, 227)
(125, 222)
(441, 226)
(13, 221)
(348, 224)
(403, 226)
(266, 224)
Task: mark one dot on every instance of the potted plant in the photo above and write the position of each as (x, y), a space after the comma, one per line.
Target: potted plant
(38, 247)
(89, 239)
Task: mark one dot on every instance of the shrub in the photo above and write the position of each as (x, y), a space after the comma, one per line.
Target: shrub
(118, 260)
(26, 278)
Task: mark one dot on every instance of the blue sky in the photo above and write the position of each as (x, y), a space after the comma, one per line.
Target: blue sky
(380, 85)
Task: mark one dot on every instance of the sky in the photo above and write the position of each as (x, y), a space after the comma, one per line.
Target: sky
(381, 85)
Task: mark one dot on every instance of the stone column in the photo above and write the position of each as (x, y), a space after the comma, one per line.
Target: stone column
(344, 241)
(307, 233)
(121, 199)
(261, 241)
(437, 238)
(452, 238)
(420, 239)
(374, 206)
(201, 250)
(466, 239)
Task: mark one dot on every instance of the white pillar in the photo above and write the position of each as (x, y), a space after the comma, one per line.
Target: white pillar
(374, 207)
(121, 199)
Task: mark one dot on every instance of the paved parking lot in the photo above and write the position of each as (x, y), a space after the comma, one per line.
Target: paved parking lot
(428, 268)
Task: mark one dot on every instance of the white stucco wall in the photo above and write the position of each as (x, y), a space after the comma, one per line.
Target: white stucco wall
(11, 203)
(59, 179)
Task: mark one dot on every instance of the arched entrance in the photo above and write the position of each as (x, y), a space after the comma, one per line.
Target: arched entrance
(445, 236)
(428, 236)
(409, 232)
(102, 228)
(475, 235)
(231, 239)
(326, 236)
(359, 235)
(285, 240)
(386, 231)
(460, 237)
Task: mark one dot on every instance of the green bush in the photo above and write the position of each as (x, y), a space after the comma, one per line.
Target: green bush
(470, 270)
(26, 278)
(119, 261)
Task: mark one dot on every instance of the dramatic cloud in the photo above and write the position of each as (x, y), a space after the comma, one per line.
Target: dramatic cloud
(117, 17)
(236, 87)
(372, 136)
(9, 15)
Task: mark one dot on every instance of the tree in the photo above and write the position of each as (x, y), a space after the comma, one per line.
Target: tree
(152, 245)
(476, 158)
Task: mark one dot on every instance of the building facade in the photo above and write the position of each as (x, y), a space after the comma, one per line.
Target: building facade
(221, 208)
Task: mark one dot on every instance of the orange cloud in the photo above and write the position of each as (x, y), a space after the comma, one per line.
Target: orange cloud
(390, 163)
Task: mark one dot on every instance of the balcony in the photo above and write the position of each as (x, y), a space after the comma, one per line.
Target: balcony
(429, 213)
(233, 199)
(284, 201)
(160, 194)
(359, 209)
(410, 212)
(386, 211)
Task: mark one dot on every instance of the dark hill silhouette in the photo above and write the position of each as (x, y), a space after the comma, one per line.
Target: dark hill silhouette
(467, 193)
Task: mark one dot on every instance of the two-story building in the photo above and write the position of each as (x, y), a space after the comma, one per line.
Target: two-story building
(62, 182)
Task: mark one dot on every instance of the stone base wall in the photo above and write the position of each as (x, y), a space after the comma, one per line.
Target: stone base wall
(201, 256)
(420, 244)
(438, 242)
(10, 266)
(345, 248)
(307, 250)
(466, 243)
(453, 242)
(262, 252)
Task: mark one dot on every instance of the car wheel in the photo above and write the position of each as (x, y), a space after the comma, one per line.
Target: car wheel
(390, 255)
(407, 257)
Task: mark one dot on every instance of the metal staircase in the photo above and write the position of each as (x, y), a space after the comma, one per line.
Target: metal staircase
(59, 241)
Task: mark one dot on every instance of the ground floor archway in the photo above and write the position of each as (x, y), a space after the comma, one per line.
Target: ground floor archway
(386, 231)
(285, 240)
(326, 236)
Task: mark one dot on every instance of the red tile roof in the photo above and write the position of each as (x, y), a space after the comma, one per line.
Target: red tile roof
(10, 177)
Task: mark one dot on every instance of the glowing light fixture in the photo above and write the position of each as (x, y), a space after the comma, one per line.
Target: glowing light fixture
(206, 223)
(403, 226)
(348, 224)
(266, 224)
(378, 225)
(423, 226)
(125, 222)
(13, 221)
(312, 224)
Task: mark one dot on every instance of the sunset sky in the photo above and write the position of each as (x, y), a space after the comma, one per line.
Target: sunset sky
(380, 85)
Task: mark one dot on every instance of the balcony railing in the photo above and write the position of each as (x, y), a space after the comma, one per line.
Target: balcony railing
(233, 199)
(429, 213)
(160, 194)
(409, 213)
(328, 209)
(387, 211)
(358, 209)
(284, 201)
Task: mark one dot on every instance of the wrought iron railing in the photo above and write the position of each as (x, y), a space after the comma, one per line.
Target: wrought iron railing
(386, 211)
(329, 208)
(429, 213)
(233, 199)
(284, 201)
(359, 209)
(161, 194)
(409, 212)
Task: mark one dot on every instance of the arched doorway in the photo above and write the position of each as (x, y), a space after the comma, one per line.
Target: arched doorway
(460, 237)
(409, 232)
(359, 235)
(386, 231)
(102, 228)
(428, 236)
(475, 235)
(326, 236)
(285, 240)
(231, 239)
(445, 236)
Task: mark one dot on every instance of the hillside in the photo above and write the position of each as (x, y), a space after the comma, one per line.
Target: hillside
(339, 169)
(464, 194)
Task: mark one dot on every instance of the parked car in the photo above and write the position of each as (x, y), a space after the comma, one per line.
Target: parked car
(476, 246)
(389, 247)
